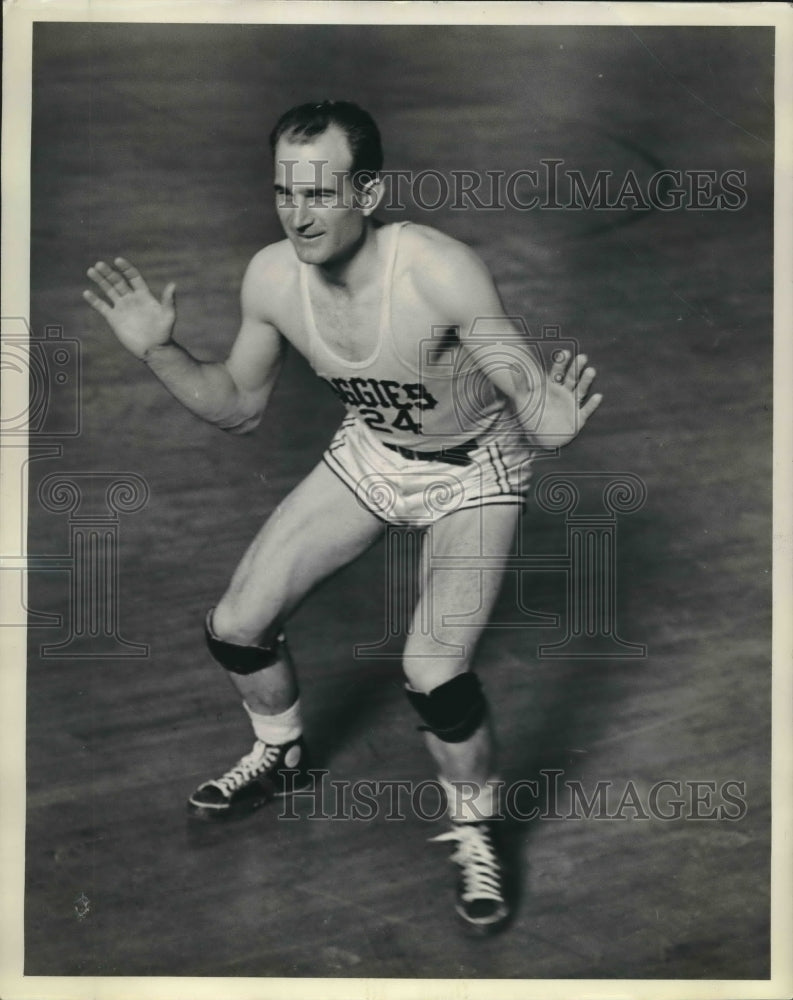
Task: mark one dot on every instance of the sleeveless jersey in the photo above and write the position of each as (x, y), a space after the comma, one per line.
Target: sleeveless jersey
(416, 393)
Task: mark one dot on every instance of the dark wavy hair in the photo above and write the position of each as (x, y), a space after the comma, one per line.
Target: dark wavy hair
(302, 123)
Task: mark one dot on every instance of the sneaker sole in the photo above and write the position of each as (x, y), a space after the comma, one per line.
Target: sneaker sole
(208, 814)
(480, 930)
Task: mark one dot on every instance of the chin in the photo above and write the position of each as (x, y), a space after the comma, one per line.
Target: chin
(309, 253)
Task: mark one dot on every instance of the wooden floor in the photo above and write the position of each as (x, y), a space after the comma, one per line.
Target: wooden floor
(151, 141)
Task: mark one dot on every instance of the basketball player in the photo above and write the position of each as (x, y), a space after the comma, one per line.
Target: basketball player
(439, 436)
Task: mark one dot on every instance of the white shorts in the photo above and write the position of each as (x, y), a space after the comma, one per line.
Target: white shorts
(403, 490)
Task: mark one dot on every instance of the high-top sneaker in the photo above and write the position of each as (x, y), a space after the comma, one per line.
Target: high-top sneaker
(265, 773)
(481, 901)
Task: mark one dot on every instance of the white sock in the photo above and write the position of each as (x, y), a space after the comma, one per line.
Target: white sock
(467, 804)
(276, 729)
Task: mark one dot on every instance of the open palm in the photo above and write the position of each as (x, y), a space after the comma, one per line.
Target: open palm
(567, 405)
(139, 320)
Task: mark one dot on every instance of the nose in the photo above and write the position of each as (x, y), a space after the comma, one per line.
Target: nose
(301, 218)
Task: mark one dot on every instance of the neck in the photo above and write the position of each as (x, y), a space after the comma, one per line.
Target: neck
(357, 268)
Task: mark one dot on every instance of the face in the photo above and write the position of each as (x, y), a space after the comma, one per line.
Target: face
(315, 198)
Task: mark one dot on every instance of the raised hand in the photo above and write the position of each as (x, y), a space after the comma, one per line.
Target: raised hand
(137, 318)
(567, 405)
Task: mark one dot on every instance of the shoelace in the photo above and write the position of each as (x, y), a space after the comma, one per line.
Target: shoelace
(259, 759)
(480, 868)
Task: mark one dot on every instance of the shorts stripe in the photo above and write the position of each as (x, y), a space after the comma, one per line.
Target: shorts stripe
(498, 464)
(512, 500)
(340, 438)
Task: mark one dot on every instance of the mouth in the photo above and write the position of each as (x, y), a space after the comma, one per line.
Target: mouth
(308, 237)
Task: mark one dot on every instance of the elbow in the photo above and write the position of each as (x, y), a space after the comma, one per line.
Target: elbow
(242, 423)
(246, 414)
(246, 426)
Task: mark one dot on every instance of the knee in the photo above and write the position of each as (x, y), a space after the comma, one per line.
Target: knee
(230, 626)
(453, 710)
(239, 657)
(429, 659)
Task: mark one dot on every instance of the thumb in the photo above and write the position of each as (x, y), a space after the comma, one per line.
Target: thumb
(168, 300)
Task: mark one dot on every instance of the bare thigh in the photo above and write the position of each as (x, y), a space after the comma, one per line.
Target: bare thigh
(317, 529)
(462, 568)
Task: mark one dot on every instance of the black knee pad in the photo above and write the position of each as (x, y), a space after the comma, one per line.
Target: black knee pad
(453, 711)
(241, 659)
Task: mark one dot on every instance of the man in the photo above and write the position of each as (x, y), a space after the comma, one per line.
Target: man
(440, 433)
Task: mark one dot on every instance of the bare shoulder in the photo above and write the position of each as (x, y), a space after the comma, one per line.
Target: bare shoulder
(429, 246)
(445, 270)
(269, 281)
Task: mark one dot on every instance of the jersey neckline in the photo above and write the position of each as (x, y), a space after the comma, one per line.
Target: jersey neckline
(385, 305)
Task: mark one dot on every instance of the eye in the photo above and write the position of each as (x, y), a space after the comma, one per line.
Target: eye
(284, 199)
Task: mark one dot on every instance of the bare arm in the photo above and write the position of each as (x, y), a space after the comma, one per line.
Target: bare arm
(231, 394)
(553, 406)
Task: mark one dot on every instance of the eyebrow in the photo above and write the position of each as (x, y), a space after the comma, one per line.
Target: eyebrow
(280, 189)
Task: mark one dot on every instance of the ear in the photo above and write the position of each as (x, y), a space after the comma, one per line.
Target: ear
(370, 194)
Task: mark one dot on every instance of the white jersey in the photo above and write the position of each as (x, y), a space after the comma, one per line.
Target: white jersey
(415, 392)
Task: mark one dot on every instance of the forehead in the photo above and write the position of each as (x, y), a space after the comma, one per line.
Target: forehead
(315, 161)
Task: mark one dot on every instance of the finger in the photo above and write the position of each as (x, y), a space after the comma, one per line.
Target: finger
(169, 296)
(586, 380)
(117, 281)
(590, 406)
(132, 274)
(99, 279)
(560, 359)
(111, 283)
(574, 371)
(99, 304)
